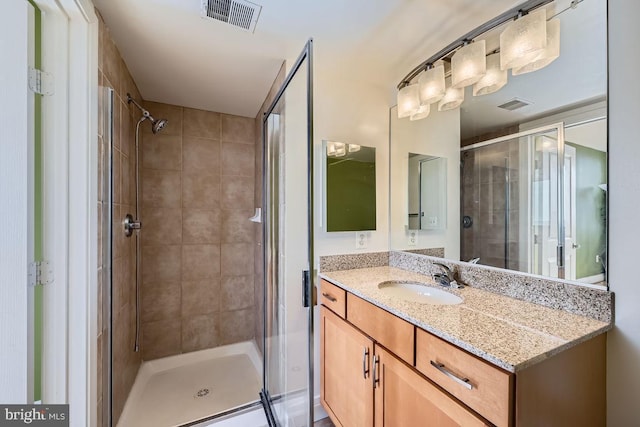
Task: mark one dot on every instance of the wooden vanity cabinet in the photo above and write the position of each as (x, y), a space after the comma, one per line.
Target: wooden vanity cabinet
(482, 386)
(379, 370)
(345, 376)
(403, 398)
(359, 379)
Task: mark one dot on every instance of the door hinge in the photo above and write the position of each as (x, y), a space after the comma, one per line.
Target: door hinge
(40, 273)
(40, 82)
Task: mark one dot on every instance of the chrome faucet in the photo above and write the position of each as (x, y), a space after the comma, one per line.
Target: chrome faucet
(447, 277)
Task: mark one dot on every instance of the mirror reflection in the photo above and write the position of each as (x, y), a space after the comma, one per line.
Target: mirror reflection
(350, 186)
(531, 190)
(427, 184)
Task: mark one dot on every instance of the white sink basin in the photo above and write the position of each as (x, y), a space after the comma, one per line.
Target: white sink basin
(419, 292)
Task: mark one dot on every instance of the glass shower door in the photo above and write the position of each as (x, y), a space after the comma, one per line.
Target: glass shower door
(516, 203)
(288, 345)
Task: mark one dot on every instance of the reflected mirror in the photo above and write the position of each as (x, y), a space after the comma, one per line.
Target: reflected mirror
(530, 192)
(427, 184)
(350, 186)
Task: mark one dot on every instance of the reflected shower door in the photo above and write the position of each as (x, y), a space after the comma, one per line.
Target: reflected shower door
(288, 351)
(521, 218)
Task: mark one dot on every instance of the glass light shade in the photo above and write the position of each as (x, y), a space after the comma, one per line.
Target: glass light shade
(432, 85)
(354, 148)
(341, 149)
(468, 64)
(453, 97)
(423, 112)
(549, 54)
(408, 101)
(493, 80)
(523, 40)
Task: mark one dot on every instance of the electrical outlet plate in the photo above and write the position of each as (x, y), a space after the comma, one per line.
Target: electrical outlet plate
(412, 238)
(361, 240)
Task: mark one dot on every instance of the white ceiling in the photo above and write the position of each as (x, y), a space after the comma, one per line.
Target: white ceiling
(178, 57)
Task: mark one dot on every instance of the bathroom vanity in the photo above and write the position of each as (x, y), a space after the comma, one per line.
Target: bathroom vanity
(489, 360)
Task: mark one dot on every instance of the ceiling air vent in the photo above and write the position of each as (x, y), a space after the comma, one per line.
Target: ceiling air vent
(514, 104)
(239, 13)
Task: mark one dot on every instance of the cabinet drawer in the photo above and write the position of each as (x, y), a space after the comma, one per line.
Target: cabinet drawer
(390, 331)
(487, 389)
(333, 297)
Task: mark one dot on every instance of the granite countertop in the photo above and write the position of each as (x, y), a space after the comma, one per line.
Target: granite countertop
(506, 332)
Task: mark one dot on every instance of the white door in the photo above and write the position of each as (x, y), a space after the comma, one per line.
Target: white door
(570, 244)
(545, 209)
(16, 202)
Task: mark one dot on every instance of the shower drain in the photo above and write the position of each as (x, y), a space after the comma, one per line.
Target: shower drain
(202, 392)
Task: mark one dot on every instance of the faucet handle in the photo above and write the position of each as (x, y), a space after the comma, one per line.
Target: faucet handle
(447, 277)
(445, 269)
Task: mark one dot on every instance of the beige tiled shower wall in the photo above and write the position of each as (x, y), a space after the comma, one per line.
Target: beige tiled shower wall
(112, 72)
(258, 247)
(197, 189)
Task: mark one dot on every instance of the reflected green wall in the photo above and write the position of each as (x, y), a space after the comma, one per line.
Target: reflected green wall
(591, 224)
(37, 347)
(351, 195)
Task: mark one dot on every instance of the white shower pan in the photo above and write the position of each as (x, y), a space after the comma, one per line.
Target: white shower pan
(179, 389)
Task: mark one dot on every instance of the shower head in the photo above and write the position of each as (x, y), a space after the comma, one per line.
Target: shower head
(156, 125)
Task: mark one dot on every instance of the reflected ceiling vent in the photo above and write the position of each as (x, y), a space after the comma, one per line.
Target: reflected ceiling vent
(514, 104)
(238, 13)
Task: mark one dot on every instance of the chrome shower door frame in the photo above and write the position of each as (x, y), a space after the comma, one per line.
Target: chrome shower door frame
(271, 232)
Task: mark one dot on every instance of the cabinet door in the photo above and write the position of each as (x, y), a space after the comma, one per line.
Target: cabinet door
(345, 377)
(403, 398)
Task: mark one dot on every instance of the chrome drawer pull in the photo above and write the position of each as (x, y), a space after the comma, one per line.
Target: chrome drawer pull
(464, 382)
(365, 362)
(329, 297)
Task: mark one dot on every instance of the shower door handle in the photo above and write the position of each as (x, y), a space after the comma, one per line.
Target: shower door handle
(308, 292)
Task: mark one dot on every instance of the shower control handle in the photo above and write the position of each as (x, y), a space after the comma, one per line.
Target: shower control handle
(130, 224)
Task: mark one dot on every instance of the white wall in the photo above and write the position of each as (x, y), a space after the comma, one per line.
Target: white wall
(623, 344)
(354, 111)
(437, 135)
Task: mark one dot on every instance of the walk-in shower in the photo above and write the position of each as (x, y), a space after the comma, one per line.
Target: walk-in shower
(189, 334)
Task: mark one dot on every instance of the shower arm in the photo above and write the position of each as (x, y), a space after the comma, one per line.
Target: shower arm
(145, 113)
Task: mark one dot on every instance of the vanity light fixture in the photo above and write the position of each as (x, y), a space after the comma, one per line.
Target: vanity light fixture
(331, 149)
(432, 86)
(549, 54)
(353, 148)
(528, 43)
(468, 64)
(408, 100)
(422, 112)
(524, 40)
(452, 99)
(336, 149)
(493, 80)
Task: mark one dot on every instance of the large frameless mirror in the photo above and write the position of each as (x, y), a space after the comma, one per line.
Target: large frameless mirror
(530, 193)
